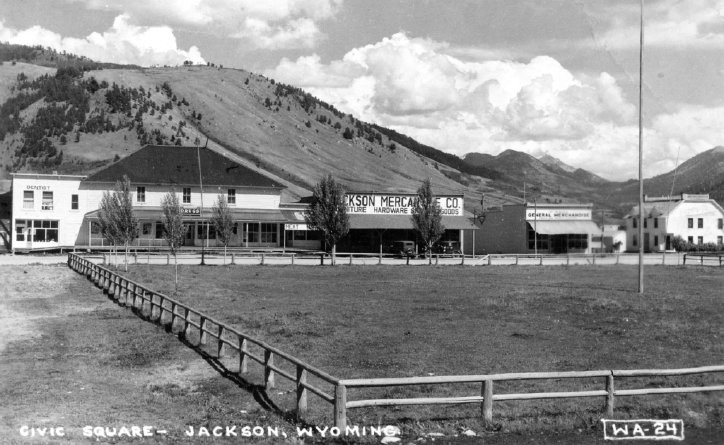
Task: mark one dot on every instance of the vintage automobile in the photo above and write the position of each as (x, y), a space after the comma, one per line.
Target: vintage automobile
(403, 248)
(447, 248)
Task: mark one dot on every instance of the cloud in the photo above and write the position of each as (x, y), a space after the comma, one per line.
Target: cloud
(668, 23)
(278, 24)
(418, 87)
(121, 43)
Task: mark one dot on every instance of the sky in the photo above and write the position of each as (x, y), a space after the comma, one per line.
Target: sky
(558, 77)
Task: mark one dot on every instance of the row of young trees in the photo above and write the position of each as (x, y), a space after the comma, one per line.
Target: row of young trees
(327, 213)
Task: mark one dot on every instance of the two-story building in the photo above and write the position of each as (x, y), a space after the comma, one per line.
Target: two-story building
(62, 210)
(695, 218)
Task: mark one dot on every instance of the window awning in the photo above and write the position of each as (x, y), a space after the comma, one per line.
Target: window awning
(250, 215)
(386, 222)
(564, 227)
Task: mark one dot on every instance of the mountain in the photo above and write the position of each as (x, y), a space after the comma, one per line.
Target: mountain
(704, 173)
(553, 161)
(62, 113)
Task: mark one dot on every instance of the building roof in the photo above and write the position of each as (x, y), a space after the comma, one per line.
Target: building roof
(159, 164)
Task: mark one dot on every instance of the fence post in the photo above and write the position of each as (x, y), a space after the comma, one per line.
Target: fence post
(293, 259)
(350, 259)
(262, 258)
(243, 359)
(268, 372)
(490, 260)
(701, 259)
(462, 260)
(187, 324)
(540, 263)
(408, 259)
(340, 407)
(301, 391)
(568, 259)
(437, 259)
(220, 343)
(321, 259)
(594, 259)
(202, 331)
(684, 259)
(168, 259)
(610, 397)
(379, 261)
(516, 259)
(487, 408)
(233, 258)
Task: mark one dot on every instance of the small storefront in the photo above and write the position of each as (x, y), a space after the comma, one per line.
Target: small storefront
(538, 228)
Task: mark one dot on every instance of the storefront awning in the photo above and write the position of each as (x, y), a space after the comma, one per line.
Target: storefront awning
(564, 227)
(156, 214)
(386, 222)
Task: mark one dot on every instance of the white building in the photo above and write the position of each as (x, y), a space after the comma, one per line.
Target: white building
(696, 218)
(53, 211)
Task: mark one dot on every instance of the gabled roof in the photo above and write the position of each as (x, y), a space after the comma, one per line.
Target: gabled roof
(177, 165)
(655, 209)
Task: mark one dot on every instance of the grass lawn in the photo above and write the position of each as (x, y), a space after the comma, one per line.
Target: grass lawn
(416, 321)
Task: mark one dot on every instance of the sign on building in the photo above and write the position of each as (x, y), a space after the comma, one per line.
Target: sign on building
(543, 214)
(397, 204)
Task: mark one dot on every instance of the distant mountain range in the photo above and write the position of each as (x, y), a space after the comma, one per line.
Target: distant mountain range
(68, 114)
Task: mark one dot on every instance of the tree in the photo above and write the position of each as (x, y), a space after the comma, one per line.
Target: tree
(173, 228)
(118, 224)
(222, 221)
(327, 212)
(427, 216)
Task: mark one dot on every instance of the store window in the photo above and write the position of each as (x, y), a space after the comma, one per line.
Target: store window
(205, 230)
(39, 231)
(47, 202)
(646, 225)
(542, 241)
(28, 199)
(578, 241)
(140, 194)
(699, 240)
(634, 223)
(159, 230)
(268, 233)
(690, 239)
(719, 240)
(95, 228)
(146, 228)
(74, 202)
(187, 195)
(700, 223)
(656, 223)
(720, 223)
(690, 223)
(634, 240)
(656, 240)
(231, 196)
(251, 233)
(20, 228)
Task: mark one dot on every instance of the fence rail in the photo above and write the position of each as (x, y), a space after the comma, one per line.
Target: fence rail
(186, 321)
(172, 314)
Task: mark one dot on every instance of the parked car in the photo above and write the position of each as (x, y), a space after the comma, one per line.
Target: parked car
(403, 248)
(447, 248)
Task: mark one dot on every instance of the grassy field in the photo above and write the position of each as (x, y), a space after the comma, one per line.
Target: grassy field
(397, 321)
(71, 357)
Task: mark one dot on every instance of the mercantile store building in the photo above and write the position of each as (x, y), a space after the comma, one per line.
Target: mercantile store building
(51, 211)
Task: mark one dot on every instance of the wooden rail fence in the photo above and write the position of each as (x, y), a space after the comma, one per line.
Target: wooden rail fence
(169, 312)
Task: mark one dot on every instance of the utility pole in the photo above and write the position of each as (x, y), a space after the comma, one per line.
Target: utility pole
(201, 186)
(641, 156)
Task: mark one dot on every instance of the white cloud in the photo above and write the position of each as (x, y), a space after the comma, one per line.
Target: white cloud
(274, 24)
(418, 87)
(670, 23)
(122, 43)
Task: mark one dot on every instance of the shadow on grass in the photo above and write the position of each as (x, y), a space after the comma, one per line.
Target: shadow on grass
(257, 391)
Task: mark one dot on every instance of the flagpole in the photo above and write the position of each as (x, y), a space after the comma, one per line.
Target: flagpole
(641, 143)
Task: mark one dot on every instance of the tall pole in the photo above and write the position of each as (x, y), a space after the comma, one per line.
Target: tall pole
(641, 155)
(201, 186)
(535, 224)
